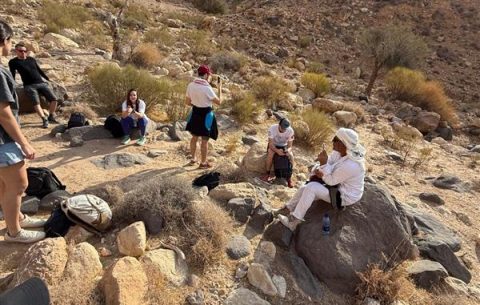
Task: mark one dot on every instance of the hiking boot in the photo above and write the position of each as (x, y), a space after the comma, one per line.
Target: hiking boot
(52, 119)
(141, 141)
(25, 237)
(290, 222)
(125, 140)
(28, 222)
(44, 123)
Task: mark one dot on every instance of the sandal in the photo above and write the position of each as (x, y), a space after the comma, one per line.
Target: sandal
(205, 165)
(192, 162)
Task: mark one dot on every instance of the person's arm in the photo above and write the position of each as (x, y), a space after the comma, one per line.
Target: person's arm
(188, 101)
(41, 71)
(126, 110)
(141, 109)
(340, 174)
(9, 123)
(213, 97)
(12, 68)
(272, 147)
(290, 142)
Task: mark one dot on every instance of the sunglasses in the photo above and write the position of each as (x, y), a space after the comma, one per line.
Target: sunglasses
(21, 51)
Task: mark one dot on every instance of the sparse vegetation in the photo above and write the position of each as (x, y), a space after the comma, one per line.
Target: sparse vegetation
(110, 84)
(94, 34)
(227, 61)
(304, 41)
(316, 82)
(312, 129)
(199, 42)
(137, 16)
(146, 55)
(411, 86)
(211, 6)
(245, 107)
(423, 158)
(389, 47)
(199, 228)
(159, 36)
(314, 67)
(175, 107)
(57, 16)
(270, 89)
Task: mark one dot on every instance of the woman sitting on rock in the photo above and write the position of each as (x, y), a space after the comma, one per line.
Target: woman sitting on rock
(345, 168)
(133, 115)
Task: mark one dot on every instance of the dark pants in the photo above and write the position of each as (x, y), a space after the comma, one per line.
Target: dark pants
(128, 123)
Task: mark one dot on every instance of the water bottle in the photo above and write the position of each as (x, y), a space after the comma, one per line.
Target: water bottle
(326, 224)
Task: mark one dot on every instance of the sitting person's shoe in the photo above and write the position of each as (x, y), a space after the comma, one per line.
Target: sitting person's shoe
(289, 221)
(52, 119)
(141, 141)
(25, 237)
(125, 140)
(282, 211)
(289, 183)
(28, 222)
(44, 123)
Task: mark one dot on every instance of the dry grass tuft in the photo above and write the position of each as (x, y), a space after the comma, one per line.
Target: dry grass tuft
(312, 129)
(270, 89)
(245, 107)
(80, 107)
(317, 82)
(159, 36)
(111, 193)
(231, 173)
(227, 61)
(146, 55)
(211, 6)
(57, 16)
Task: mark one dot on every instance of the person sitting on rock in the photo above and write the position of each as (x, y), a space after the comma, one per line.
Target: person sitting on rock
(14, 149)
(133, 115)
(345, 168)
(201, 121)
(34, 83)
(280, 141)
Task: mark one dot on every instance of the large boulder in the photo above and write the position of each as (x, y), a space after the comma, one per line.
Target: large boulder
(166, 263)
(125, 283)
(53, 200)
(83, 264)
(427, 274)
(59, 41)
(355, 239)
(426, 121)
(45, 259)
(226, 192)
(132, 240)
(326, 105)
(238, 247)
(241, 208)
(255, 159)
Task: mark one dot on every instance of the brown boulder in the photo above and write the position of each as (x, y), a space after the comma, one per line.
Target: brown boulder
(326, 105)
(426, 121)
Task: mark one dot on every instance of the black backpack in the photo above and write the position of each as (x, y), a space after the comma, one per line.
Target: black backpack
(210, 180)
(114, 125)
(57, 224)
(77, 119)
(282, 166)
(42, 181)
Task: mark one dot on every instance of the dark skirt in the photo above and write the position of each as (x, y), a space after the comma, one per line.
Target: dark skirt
(201, 122)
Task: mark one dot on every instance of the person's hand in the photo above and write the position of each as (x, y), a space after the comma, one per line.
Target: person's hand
(323, 156)
(28, 151)
(280, 152)
(318, 173)
(129, 110)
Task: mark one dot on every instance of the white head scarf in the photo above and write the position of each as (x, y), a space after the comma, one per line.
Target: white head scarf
(355, 151)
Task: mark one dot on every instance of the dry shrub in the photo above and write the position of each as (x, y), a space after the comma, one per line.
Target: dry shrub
(175, 108)
(390, 285)
(136, 16)
(94, 34)
(317, 82)
(230, 173)
(211, 6)
(411, 86)
(199, 228)
(200, 42)
(270, 89)
(188, 18)
(315, 67)
(227, 61)
(313, 129)
(232, 144)
(111, 193)
(79, 107)
(160, 291)
(57, 16)
(159, 36)
(245, 107)
(110, 84)
(146, 55)
(305, 41)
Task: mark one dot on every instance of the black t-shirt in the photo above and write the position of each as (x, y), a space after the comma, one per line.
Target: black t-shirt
(28, 70)
(7, 95)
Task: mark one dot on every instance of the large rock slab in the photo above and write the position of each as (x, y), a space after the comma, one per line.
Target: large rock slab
(53, 200)
(243, 296)
(277, 233)
(125, 283)
(305, 282)
(255, 158)
(132, 240)
(355, 239)
(226, 192)
(327, 105)
(59, 41)
(427, 274)
(30, 205)
(258, 276)
(45, 259)
(167, 263)
(87, 133)
(450, 182)
(121, 160)
(241, 208)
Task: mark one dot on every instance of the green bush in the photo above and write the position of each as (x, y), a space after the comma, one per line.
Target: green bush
(211, 6)
(315, 67)
(245, 107)
(159, 36)
(313, 129)
(226, 61)
(137, 16)
(404, 83)
(305, 41)
(316, 82)
(58, 16)
(110, 84)
(270, 89)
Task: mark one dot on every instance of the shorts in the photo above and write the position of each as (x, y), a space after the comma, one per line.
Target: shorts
(10, 154)
(35, 90)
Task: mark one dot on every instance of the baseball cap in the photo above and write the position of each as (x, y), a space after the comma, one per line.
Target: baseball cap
(204, 69)
(284, 123)
(31, 292)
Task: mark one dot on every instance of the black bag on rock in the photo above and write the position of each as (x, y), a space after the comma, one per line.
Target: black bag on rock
(77, 119)
(114, 125)
(282, 166)
(57, 224)
(210, 180)
(42, 181)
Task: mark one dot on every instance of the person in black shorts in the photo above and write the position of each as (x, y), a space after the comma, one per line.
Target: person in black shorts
(34, 83)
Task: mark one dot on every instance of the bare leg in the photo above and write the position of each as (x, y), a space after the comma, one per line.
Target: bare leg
(14, 182)
(39, 111)
(52, 108)
(270, 154)
(193, 147)
(204, 150)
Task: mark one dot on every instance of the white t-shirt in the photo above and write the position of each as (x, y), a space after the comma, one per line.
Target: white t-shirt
(141, 107)
(280, 138)
(201, 93)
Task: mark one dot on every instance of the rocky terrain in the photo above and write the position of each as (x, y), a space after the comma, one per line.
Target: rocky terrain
(419, 214)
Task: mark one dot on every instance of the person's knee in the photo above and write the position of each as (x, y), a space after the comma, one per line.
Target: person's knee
(142, 122)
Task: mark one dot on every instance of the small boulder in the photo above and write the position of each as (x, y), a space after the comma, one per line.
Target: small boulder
(450, 182)
(427, 274)
(326, 105)
(83, 264)
(59, 41)
(255, 158)
(238, 247)
(280, 284)
(153, 222)
(265, 254)
(431, 198)
(249, 140)
(278, 234)
(30, 205)
(60, 128)
(118, 160)
(426, 121)
(345, 118)
(226, 192)
(241, 208)
(174, 23)
(243, 296)
(125, 283)
(153, 153)
(132, 240)
(77, 234)
(261, 217)
(76, 142)
(306, 94)
(165, 262)
(259, 277)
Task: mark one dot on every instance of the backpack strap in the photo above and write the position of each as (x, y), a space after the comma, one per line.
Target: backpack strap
(61, 185)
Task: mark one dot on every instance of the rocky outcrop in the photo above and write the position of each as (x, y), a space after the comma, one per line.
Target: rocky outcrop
(326, 105)
(255, 158)
(121, 160)
(355, 239)
(427, 274)
(226, 192)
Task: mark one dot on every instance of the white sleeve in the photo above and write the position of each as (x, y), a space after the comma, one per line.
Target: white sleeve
(141, 106)
(210, 93)
(124, 106)
(271, 132)
(292, 135)
(339, 175)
